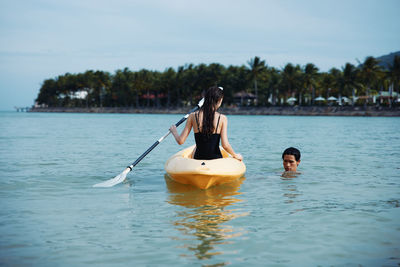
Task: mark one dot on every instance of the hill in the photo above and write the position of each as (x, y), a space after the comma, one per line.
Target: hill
(387, 60)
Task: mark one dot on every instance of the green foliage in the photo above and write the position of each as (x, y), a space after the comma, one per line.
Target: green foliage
(184, 85)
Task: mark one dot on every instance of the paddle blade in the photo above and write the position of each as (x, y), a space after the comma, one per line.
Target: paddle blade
(116, 180)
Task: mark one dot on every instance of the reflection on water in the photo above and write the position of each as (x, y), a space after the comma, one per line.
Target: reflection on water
(289, 175)
(290, 191)
(205, 217)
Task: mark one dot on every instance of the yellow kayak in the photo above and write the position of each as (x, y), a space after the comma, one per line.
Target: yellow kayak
(203, 173)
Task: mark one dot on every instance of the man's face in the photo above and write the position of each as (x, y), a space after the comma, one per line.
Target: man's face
(290, 163)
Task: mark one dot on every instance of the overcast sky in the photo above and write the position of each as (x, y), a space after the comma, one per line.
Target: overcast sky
(42, 39)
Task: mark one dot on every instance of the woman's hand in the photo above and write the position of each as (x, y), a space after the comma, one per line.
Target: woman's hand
(173, 130)
(238, 156)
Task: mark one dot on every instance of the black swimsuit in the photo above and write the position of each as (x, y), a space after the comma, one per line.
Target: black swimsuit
(207, 146)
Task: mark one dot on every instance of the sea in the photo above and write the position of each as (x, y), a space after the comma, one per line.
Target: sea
(341, 209)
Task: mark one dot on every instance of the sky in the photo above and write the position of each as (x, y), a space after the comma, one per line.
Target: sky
(41, 39)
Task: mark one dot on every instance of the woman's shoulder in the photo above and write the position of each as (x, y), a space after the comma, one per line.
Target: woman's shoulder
(191, 116)
(194, 115)
(222, 116)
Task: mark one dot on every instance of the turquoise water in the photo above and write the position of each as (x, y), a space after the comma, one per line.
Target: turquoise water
(342, 210)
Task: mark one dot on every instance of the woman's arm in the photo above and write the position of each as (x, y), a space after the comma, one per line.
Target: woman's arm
(180, 139)
(224, 139)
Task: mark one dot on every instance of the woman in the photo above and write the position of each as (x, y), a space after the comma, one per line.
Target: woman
(209, 128)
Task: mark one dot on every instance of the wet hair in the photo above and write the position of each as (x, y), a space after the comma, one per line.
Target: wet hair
(211, 98)
(292, 151)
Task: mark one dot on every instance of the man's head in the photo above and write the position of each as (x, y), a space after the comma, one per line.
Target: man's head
(291, 159)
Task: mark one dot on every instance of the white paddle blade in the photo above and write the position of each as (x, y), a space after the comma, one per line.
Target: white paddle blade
(116, 180)
(201, 102)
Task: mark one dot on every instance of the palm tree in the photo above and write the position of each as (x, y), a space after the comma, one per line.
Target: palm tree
(132, 91)
(310, 79)
(290, 79)
(234, 79)
(338, 83)
(158, 88)
(265, 80)
(274, 80)
(326, 82)
(350, 81)
(65, 87)
(48, 93)
(214, 73)
(179, 84)
(88, 81)
(136, 87)
(143, 82)
(189, 80)
(394, 77)
(256, 67)
(369, 73)
(168, 83)
(345, 81)
(101, 83)
(118, 87)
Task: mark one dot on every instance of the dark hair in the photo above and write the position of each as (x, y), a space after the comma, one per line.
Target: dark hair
(292, 151)
(211, 98)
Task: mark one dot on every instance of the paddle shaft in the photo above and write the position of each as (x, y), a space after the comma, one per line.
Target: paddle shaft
(162, 138)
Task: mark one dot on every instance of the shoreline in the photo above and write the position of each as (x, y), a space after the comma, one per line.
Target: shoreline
(273, 111)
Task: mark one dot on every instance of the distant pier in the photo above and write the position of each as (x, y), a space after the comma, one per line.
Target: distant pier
(22, 109)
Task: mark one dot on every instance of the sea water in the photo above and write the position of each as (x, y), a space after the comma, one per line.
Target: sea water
(342, 210)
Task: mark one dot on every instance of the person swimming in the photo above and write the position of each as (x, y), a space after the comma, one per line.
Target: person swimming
(291, 159)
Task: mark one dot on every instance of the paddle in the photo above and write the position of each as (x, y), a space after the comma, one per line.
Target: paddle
(121, 177)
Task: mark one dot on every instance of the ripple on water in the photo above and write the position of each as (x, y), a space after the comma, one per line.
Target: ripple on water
(343, 209)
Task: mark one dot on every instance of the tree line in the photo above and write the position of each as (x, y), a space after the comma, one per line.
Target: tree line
(256, 82)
